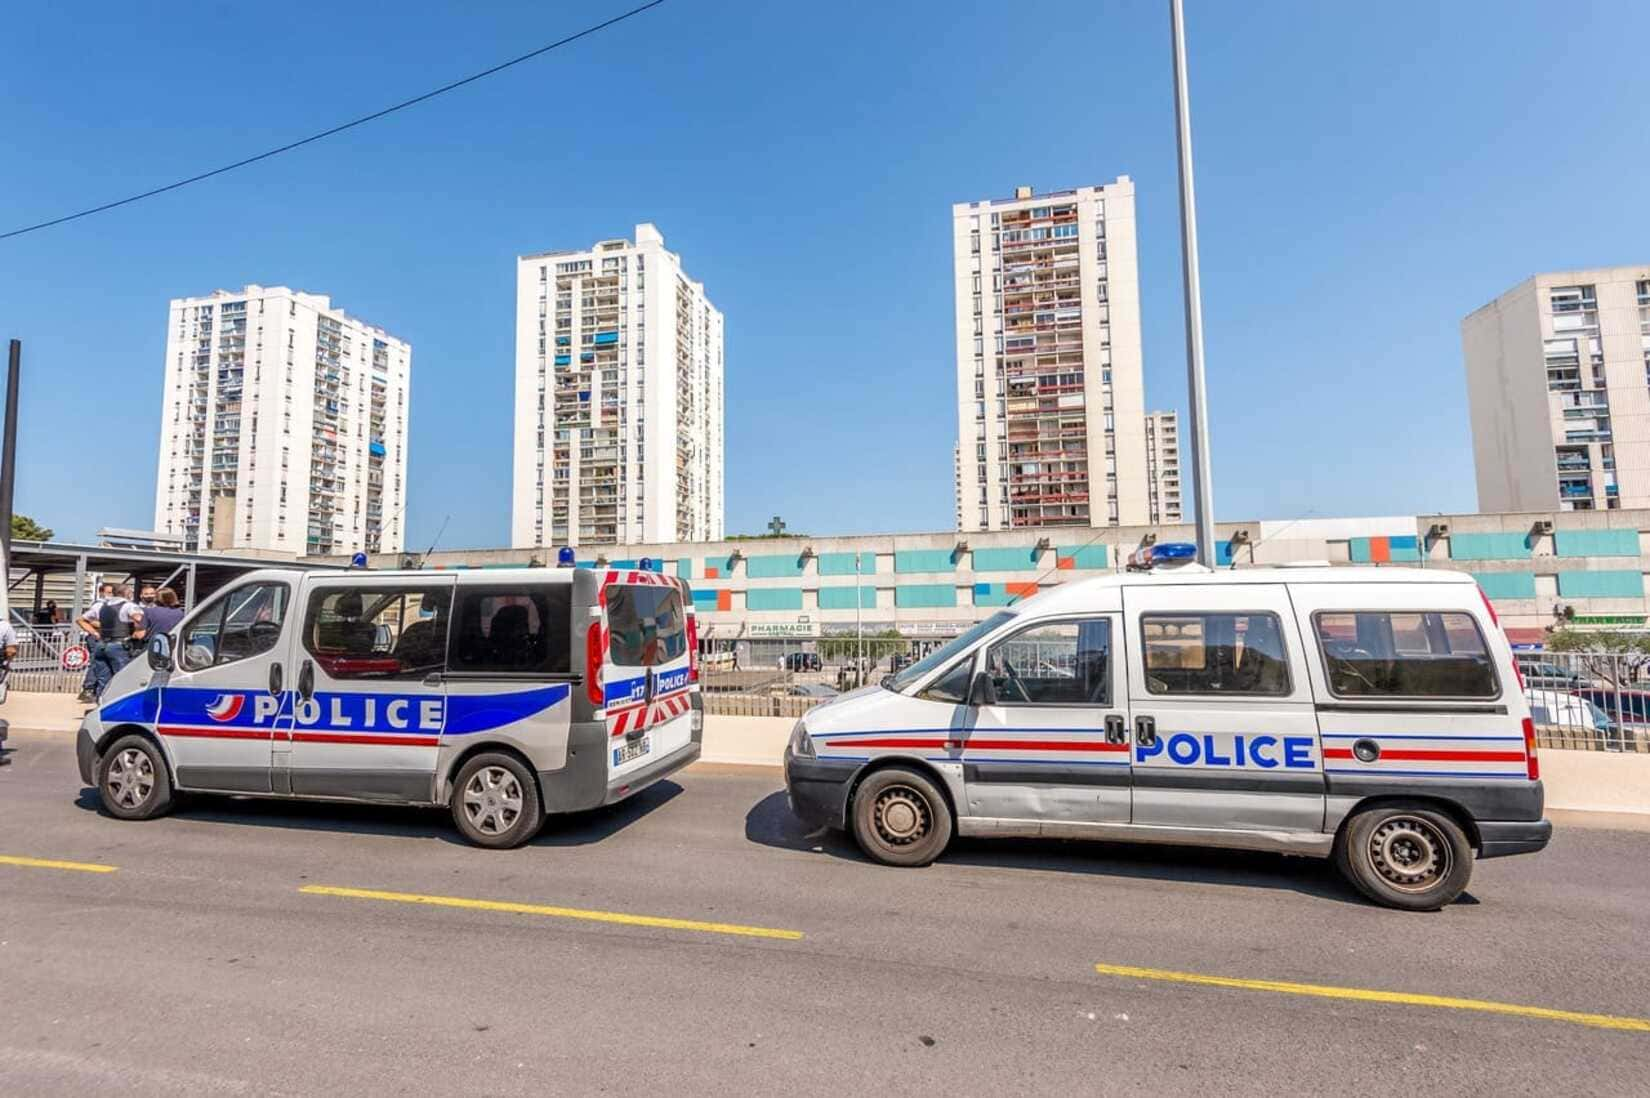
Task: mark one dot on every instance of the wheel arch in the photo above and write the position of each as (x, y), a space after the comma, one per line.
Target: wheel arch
(1453, 809)
(897, 762)
(120, 731)
(449, 777)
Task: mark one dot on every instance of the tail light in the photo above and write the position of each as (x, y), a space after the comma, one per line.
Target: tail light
(693, 647)
(1532, 766)
(593, 665)
(1494, 620)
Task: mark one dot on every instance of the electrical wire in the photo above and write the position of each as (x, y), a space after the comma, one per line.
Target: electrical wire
(335, 129)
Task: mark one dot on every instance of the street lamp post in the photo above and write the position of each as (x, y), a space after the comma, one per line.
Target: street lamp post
(1202, 487)
(859, 626)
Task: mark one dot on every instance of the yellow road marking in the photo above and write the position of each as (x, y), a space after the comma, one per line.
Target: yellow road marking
(1370, 995)
(656, 921)
(49, 863)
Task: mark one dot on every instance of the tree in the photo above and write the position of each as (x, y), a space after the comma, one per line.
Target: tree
(24, 528)
(1614, 655)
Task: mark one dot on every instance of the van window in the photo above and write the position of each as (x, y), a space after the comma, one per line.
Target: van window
(520, 630)
(645, 625)
(244, 623)
(378, 632)
(1382, 654)
(1215, 653)
(1055, 663)
(952, 687)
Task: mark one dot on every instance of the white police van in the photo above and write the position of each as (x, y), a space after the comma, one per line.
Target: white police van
(501, 694)
(1370, 715)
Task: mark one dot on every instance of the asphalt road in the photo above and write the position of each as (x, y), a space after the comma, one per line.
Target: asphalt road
(198, 966)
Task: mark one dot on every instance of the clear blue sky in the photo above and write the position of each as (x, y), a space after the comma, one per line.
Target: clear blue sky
(1367, 173)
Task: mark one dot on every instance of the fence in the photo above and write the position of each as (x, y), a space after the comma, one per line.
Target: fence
(1588, 701)
(38, 665)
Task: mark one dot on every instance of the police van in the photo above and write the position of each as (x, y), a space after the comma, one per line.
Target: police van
(1372, 716)
(503, 695)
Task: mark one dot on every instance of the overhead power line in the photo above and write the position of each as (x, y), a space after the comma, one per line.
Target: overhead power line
(338, 128)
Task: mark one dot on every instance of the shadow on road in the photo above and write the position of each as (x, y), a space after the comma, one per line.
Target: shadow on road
(771, 823)
(572, 829)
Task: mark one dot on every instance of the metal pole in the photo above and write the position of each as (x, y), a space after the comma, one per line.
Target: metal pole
(859, 627)
(8, 458)
(1203, 504)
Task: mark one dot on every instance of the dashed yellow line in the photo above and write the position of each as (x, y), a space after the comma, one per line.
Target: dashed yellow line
(1372, 995)
(52, 863)
(655, 921)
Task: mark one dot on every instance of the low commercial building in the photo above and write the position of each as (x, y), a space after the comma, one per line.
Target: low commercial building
(1536, 568)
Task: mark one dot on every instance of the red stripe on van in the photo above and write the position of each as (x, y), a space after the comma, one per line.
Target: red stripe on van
(214, 733)
(385, 740)
(1432, 756)
(974, 742)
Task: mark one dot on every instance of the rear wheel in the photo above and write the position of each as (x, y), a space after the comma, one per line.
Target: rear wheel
(901, 818)
(132, 780)
(1406, 855)
(495, 802)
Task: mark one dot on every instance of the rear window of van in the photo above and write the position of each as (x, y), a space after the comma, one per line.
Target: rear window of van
(646, 625)
(1405, 654)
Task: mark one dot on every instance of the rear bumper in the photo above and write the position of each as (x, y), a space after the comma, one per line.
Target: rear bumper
(582, 783)
(1498, 838)
(817, 789)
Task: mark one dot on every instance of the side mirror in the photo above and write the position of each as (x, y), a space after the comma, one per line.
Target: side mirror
(160, 652)
(981, 691)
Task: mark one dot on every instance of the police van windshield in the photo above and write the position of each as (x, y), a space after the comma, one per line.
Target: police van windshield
(944, 653)
(645, 625)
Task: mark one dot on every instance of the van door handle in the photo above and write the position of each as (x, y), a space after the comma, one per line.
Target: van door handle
(306, 680)
(1117, 730)
(276, 679)
(1145, 731)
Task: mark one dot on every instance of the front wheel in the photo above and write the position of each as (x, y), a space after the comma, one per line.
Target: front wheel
(1406, 855)
(495, 802)
(901, 818)
(132, 780)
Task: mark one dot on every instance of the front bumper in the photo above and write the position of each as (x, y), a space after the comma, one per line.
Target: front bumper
(1497, 839)
(817, 789)
(85, 753)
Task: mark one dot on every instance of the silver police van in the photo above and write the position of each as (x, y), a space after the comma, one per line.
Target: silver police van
(504, 695)
(1373, 716)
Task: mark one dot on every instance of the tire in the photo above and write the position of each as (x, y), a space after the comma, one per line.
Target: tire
(900, 818)
(133, 781)
(495, 802)
(1405, 854)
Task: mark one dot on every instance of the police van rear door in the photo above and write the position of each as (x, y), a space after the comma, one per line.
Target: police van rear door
(1225, 734)
(646, 669)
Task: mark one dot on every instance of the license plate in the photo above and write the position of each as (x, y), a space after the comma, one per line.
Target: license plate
(629, 752)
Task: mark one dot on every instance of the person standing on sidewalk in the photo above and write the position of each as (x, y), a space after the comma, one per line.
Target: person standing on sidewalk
(163, 617)
(111, 622)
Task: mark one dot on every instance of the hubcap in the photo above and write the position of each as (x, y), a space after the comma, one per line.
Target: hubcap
(492, 800)
(901, 815)
(131, 778)
(1410, 854)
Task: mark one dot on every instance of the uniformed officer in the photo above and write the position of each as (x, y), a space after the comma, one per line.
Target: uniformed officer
(111, 621)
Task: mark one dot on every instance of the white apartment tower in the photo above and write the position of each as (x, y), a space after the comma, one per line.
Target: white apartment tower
(283, 426)
(1050, 396)
(1558, 383)
(1163, 467)
(618, 398)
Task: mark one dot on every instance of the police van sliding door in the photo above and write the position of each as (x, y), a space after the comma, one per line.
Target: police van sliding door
(370, 706)
(1223, 727)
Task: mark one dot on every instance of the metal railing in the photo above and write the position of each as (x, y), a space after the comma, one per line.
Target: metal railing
(38, 665)
(1587, 701)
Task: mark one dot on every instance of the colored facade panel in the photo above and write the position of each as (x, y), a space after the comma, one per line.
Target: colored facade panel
(773, 566)
(1080, 556)
(924, 560)
(918, 596)
(1489, 547)
(1596, 543)
(773, 598)
(1387, 549)
(1605, 584)
(1005, 560)
(842, 564)
(718, 567)
(707, 599)
(1507, 585)
(1003, 594)
(651, 565)
(842, 598)
(684, 567)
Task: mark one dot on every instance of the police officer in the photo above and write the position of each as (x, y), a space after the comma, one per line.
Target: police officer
(111, 621)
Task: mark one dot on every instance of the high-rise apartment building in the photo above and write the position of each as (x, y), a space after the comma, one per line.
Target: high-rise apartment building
(1163, 467)
(283, 426)
(1050, 397)
(1558, 382)
(618, 398)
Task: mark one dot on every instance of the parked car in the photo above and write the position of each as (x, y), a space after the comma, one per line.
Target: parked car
(811, 690)
(1630, 707)
(1540, 674)
(803, 661)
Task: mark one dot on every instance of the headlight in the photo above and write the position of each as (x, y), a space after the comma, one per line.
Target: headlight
(802, 744)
